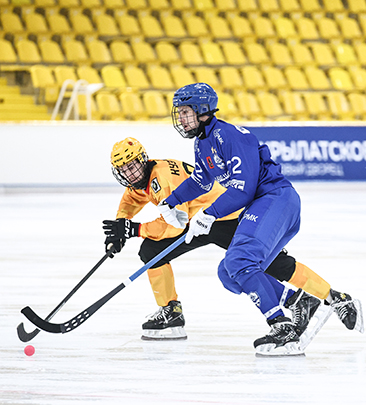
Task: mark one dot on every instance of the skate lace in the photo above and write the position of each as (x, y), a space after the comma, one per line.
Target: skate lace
(342, 308)
(161, 313)
(277, 329)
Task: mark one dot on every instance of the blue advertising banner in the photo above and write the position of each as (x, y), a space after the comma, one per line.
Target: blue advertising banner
(317, 153)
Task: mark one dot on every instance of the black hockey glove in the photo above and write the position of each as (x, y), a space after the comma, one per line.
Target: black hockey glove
(121, 228)
(116, 244)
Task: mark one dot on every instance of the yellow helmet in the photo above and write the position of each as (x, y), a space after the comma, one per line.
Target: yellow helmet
(125, 152)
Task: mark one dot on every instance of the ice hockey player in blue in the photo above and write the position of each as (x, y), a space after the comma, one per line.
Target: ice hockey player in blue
(232, 156)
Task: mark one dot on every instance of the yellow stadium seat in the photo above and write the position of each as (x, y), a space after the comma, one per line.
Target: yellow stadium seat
(357, 6)
(44, 82)
(81, 24)
(289, 6)
(28, 52)
(128, 25)
(191, 54)
(82, 108)
(181, 76)
(112, 77)
(7, 52)
(173, 26)
(132, 106)
(63, 73)
(203, 5)
(143, 51)
(150, 27)
(45, 3)
(159, 4)
(89, 74)
(11, 23)
(362, 22)
(225, 5)
(285, 28)
(160, 78)
(253, 78)
(240, 26)
(301, 54)
(121, 52)
(360, 49)
(75, 52)
(345, 54)
(108, 106)
(233, 53)
(358, 104)
(114, 4)
(136, 77)
(68, 3)
(247, 104)
(219, 28)
(269, 105)
(247, 5)
(280, 54)
(293, 104)
(256, 53)
(263, 27)
(35, 23)
(155, 104)
(333, 6)
(317, 78)
(212, 53)
(230, 78)
(358, 76)
(167, 53)
(306, 29)
(227, 106)
(136, 4)
(106, 25)
(196, 26)
(205, 74)
(268, 6)
(91, 3)
(316, 105)
(99, 52)
(296, 78)
(274, 78)
(328, 28)
(51, 52)
(58, 24)
(339, 105)
(310, 6)
(350, 28)
(340, 79)
(323, 54)
(181, 5)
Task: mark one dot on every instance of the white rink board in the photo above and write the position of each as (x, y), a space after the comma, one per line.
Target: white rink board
(49, 241)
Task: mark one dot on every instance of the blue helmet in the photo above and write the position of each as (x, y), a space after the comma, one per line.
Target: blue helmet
(202, 98)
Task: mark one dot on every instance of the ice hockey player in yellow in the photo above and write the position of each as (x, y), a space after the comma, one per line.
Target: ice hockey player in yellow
(152, 180)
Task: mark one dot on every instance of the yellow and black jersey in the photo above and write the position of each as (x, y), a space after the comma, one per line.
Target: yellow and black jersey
(166, 175)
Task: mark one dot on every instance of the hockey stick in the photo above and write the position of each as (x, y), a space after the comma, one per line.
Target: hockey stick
(26, 337)
(87, 313)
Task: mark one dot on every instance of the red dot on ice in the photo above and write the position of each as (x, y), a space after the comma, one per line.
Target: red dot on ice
(29, 350)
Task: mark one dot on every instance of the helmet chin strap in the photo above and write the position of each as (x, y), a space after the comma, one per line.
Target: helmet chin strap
(200, 130)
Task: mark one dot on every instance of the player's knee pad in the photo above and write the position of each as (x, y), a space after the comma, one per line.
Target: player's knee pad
(228, 282)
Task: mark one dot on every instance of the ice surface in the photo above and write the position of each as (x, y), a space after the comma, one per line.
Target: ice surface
(49, 241)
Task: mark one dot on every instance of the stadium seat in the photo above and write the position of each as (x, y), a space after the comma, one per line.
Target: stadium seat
(113, 78)
(294, 105)
(136, 77)
(285, 28)
(339, 106)
(306, 28)
(181, 76)
(233, 53)
(256, 53)
(240, 26)
(143, 51)
(63, 73)
(230, 78)
(109, 106)
(360, 49)
(317, 79)
(280, 54)
(158, 4)
(205, 74)
(358, 104)
(323, 54)
(51, 52)
(28, 52)
(345, 54)
(81, 24)
(253, 78)
(350, 28)
(316, 106)
(11, 23)
(58, 24)
(132, 106)
(155, 104)
(82, 107)
(227, 106)
(150, 27)
(296, 78)
(357, 6)
(225, 5)
(136, 4)
(301, 54)
(248, 105)
(160, 78)
(121, 52)
(247, 6)
(333, 6)
(268, 6)
(106, 26)
(310, 6)
(173, 27)
(263, 27)
(128, 25)
(75, 52)
(167, 53)
(35, 23)
(98, 52)
(328, 28)
(358, 76)
(219, 28)
(340, 79)
(196, 26)
(274, 78)
(181, 5)
(89, 74)
(7, 52)
(289, 6)
(191, 54)
(269, 105)
(203, 5)
(45, 84)
(212, 53)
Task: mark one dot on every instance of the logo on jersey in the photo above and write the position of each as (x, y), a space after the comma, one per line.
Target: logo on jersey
(216, 134)
(155, 186)
(209, 161)
(250, 217)
(253, 295)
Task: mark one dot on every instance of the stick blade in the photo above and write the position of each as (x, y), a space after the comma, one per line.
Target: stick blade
(39, 322)
(23, 335)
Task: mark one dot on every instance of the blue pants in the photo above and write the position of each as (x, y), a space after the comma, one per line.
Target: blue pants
(265, 227)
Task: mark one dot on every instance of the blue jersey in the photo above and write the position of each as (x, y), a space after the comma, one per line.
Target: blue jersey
(232, 156)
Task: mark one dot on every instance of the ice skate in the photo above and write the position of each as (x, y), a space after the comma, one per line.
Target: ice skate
(349, 310)
(303, 306)
(282, 340)
(165, 324)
